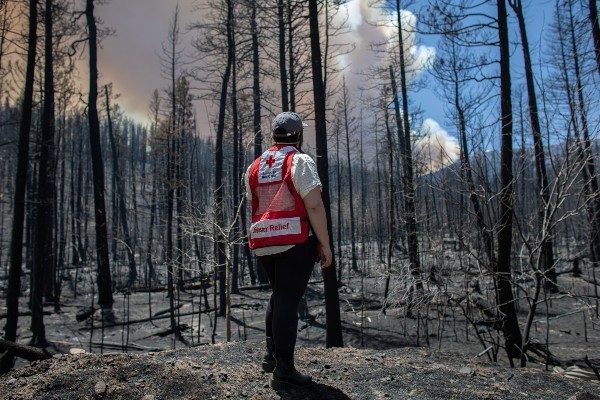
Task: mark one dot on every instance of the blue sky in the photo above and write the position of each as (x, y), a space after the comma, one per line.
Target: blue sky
(129, 58)
(538, 14)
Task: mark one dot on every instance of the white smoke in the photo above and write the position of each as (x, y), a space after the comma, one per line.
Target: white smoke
(370, 25)
(435, 148)
(374, 33)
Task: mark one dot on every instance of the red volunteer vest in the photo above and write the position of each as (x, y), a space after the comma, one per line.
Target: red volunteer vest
(278, 213)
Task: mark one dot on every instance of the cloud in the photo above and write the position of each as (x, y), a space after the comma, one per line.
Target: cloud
(435, 148)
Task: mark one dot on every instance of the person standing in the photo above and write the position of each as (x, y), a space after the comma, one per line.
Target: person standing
(288, 235)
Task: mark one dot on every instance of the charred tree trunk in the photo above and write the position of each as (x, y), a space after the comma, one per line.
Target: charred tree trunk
(179, 185)
(379, 225)
(339, 200)
(169, 258)
(332, 303)
(235, 231)
(16, 241)
(219, 216)
(256, 113)
(255, 269)
(588, 153)
(595, 30)
(486, 235)
(105, 298)
(291, 56)
(345, 101)
(579, 148)
(505, 299)
(75, 209)
(547, 247)
(405, 150)
(256, 94)
(151, 274)
(42, 275)
(151, 270)
(391, 194)
(120, 191)
(60, 214)
(169, 261)
(285, 104)
(410, 217)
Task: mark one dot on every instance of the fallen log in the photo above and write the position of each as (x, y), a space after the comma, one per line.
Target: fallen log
(591, 281)
(85, 313)
(141, 321)
(592, 366)
(23, 351)
(543, 320)
(170, 331)
(158, 289)
(268, 286)
(121, 347)
(167, 310)
(24, 314)
(256, 287)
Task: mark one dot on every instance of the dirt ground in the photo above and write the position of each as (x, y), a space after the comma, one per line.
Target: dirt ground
(569, 323)
(232, 371)
(435, 355)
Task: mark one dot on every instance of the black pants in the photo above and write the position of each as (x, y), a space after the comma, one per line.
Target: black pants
(288, 273)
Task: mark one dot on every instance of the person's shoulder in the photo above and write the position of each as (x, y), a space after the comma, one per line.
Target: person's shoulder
(249, 169)
(303, 157)
(255, 161)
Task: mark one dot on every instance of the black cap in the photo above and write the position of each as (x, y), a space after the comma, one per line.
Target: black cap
(287, 127)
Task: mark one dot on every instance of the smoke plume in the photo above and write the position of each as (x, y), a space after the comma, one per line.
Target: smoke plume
(435, 148)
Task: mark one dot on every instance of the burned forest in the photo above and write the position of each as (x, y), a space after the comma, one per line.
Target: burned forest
(457, 146)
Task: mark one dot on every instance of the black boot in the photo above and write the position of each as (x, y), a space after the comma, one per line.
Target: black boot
(285, 375)
(268, 363)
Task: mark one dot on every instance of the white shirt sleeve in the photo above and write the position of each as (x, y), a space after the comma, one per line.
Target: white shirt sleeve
(247, 184)
(304, 174)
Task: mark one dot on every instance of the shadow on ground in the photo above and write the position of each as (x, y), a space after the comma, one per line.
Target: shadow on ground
(316, 391)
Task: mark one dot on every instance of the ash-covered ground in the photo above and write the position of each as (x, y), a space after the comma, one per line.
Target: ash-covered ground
(232, 371)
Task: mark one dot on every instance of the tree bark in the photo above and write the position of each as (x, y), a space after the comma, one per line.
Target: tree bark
(405, 150)
(547, 247)
(332, 304)
(407, 163)
(256, 94)
(285, 104)
(466, 169)
(588, 153)
(595, 30)
(345, 101)
(169, 258)
(339, 199)
(505, 300)
(120, 191)
(105, 298)
(22, 351)
(256, 123)
(291, 57)
(219, 216)
(391, 204)
(16, 242)
(236, 173)
(43, 252)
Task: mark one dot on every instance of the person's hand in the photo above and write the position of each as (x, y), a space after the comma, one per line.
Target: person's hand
(325, 256)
